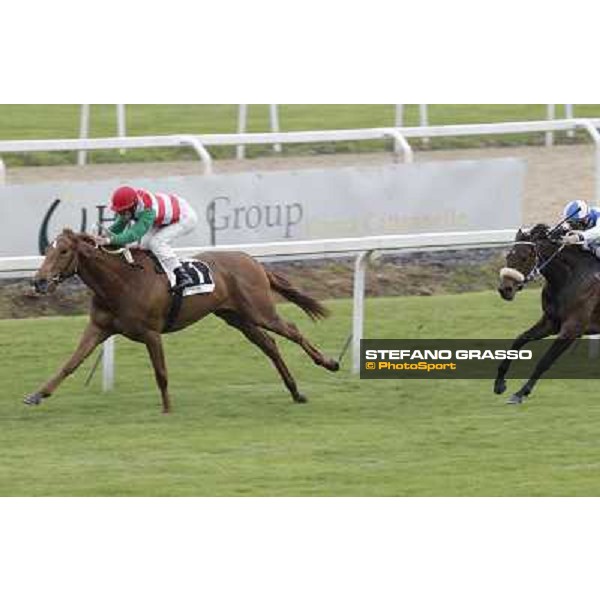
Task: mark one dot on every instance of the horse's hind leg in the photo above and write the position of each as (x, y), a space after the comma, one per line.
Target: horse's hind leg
(267, 344)
(289, 331)
(562, 343)
(92, 337)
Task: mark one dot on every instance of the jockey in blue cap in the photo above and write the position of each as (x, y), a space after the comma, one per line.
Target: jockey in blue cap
(584, 225)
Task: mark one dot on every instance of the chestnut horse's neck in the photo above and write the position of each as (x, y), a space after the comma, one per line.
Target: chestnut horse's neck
(104, 275)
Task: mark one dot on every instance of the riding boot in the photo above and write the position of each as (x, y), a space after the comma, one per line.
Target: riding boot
(182, 279)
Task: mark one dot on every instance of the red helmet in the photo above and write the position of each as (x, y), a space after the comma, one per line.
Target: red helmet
(123, 199)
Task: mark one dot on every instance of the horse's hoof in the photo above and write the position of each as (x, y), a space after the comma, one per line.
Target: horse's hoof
(300, 399)
(515, 399)
(500, 387)
(33, 399)
(333, 366)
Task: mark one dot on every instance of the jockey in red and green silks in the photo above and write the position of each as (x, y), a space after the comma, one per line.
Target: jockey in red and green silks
(154, 220)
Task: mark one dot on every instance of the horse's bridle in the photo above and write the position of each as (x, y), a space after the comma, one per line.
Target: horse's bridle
(60, 277)
(537, 268)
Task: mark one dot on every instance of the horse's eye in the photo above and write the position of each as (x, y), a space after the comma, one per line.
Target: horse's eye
(63, 251)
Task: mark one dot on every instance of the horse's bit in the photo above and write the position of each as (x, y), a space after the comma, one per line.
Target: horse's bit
(537, 268)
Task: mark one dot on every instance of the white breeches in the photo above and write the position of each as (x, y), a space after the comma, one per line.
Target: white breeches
(159, 239)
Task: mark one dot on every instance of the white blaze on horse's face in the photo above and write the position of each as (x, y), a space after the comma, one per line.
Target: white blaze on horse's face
(58, 264)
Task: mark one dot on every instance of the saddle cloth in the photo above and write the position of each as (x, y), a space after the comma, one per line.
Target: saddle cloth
(201, 276)
(199, 272)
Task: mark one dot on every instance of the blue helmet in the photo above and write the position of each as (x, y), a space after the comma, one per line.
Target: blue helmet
(576, 211)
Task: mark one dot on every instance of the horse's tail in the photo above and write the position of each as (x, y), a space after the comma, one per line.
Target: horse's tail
(313, 308)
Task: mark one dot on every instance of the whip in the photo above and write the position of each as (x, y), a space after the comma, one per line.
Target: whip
(94, 367)
(344, 349)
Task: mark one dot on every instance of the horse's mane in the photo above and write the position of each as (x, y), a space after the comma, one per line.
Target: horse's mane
(80, 237)
(89, 248)
(541, 231)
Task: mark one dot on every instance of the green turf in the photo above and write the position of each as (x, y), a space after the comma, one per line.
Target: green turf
(235, 432)
(39, 121)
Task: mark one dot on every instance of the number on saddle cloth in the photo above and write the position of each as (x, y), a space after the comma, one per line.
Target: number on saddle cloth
(199, 272)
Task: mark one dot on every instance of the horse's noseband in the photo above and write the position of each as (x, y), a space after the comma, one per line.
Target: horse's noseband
(537, 268)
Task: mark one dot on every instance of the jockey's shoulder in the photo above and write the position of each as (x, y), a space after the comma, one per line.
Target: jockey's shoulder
(145, 213)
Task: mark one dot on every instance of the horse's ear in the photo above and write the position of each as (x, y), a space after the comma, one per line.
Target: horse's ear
(68, 232)
(519, 235)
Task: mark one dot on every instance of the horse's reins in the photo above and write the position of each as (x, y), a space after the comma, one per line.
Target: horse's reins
(537, 268)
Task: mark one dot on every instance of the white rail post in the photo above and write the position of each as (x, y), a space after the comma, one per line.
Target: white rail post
(358, 310)
(108, 364)
(570, 114)
(274, 119)
(242, 124)
(398, 122)
(2, 173)
(550, 114)
(401, 145)
(84, 132)
(121, 124)
(202, 152)
(424, 120)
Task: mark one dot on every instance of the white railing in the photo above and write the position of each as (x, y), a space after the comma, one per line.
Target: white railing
(363, 247)
(113, 143)
(197, 142)
(400, 135)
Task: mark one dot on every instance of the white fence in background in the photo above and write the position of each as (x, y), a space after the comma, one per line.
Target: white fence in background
(84, 128)
(400, 136)
(243, 109)
(363, 248)
(243, 125)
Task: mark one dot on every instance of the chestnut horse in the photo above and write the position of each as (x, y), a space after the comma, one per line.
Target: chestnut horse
(134, 301)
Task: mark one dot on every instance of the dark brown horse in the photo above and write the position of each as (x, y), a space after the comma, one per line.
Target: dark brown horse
(135, 302)
(570, 296)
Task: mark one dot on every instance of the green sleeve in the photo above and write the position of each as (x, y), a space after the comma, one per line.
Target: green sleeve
(118, 225)
(136, 232)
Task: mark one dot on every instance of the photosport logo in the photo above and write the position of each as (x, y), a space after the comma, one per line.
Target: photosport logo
(473, 359)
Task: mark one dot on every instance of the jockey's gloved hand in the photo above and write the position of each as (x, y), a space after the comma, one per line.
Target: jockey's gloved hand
(101, 240)
(572, 238)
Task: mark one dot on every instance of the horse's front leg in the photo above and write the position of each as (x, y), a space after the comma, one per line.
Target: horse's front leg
(154, 345)
(568, 334)
(91, 338)
(543, 328)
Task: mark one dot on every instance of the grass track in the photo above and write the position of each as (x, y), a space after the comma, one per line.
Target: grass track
(235, 432)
